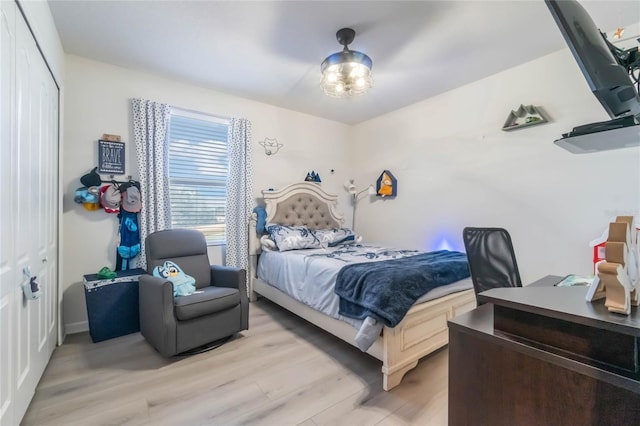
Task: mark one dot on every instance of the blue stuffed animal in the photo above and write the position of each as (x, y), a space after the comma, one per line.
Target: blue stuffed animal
(183, 284)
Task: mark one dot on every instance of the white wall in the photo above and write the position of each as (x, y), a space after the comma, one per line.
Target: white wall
(41, 22)
(97, 102)
(456, 168)
(454, 165)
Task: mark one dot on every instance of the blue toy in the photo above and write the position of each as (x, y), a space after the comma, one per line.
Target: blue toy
(183, 284)
(261, 222)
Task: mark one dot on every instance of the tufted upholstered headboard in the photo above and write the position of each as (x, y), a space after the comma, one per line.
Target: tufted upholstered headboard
(299, 204)
(302, 204)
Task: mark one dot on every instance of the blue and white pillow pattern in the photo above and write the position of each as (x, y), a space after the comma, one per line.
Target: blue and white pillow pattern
(335, 236)
(292, 237)
(301, 237)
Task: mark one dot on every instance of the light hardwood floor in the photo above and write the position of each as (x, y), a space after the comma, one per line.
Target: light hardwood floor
(282, 371)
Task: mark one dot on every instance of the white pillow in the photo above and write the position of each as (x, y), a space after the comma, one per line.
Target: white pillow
(333, 237)
(292, 237)
(267, 244)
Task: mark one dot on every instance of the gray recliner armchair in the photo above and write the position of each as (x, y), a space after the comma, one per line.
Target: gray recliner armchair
(218, 309)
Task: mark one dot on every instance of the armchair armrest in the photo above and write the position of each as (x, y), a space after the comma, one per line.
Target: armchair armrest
(157, 319)
(228, 276)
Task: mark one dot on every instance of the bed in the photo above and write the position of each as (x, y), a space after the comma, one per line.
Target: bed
(422, 330)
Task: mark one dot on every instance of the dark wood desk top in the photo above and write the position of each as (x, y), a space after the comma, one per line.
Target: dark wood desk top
(526, 312)
(542, 384)
(480, 323)
(565, 303)
(547, 281)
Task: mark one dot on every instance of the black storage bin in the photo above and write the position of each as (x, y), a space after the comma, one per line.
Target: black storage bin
(112, 304)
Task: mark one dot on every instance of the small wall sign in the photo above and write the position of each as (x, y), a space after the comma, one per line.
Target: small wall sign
(110, 157)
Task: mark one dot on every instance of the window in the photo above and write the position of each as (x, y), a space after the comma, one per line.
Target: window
(198, 165)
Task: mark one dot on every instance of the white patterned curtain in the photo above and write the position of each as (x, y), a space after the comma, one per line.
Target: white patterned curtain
(150, 121)
(239, 193)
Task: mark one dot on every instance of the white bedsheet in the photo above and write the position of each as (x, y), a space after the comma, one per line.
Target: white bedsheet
(309, 276)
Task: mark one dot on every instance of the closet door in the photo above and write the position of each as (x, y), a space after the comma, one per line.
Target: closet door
(28, 215)
(8, 276)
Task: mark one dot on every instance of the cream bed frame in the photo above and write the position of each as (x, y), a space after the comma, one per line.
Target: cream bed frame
(422, 331)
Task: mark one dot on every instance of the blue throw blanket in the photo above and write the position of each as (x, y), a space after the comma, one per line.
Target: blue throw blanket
(386, 290)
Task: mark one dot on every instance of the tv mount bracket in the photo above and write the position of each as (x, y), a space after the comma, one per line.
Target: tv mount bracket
(629, 59)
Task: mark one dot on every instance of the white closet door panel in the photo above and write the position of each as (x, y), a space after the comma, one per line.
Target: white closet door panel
(23, 212)
(51, 220)
(52, 301)
(41, 308)
(7, 65)
(33, 125)
(6, 360)
(39, 126)
(8, 278)
(28, 213)
(21, 199)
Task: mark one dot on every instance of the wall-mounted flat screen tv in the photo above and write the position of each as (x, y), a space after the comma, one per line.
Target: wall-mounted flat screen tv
(608, 80)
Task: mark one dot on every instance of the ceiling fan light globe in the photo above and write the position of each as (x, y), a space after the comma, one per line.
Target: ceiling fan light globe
(348, 72)
(360, 70)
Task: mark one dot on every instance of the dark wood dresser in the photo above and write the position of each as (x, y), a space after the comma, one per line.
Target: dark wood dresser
(542, 355)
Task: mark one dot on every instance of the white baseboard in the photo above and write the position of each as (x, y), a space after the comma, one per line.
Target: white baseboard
(76, 327)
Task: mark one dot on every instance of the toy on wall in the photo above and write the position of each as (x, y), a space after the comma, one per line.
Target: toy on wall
(386, 185)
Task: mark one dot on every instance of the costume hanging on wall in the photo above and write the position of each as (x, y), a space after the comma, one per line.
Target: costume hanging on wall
(129, 246)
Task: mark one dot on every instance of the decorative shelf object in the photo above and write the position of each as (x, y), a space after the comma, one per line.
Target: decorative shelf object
(386, 185)
(312, 176)
(524, 116)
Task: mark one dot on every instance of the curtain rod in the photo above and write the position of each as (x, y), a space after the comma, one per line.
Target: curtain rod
(193, 111)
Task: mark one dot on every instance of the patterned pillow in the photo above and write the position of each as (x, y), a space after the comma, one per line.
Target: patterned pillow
(292, 237)
(335, 236)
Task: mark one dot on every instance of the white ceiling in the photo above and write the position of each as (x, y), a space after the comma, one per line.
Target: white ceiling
(271, 51)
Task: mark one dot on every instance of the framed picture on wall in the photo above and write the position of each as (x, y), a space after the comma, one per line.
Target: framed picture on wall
(110, 157)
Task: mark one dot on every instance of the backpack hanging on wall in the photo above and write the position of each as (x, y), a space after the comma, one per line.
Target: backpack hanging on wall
(129, 246)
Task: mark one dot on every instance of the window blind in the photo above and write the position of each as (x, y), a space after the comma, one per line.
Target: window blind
(198, 165)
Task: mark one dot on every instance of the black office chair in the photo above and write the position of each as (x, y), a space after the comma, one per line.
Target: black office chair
(492, 261)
